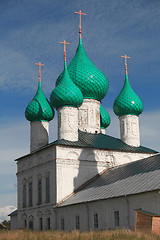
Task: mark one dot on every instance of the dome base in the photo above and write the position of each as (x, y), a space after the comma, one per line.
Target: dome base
(129, 130)
(39, 135)
(89, 116)
(68, 123)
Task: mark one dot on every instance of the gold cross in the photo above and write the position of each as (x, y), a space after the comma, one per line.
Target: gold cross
(125, 56)
(64, 49)
(80, 27)
(39, 64)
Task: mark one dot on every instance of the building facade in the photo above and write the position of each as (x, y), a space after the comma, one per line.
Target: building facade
(55, 174)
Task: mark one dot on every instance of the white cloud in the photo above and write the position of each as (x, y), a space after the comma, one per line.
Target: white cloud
(5, 211)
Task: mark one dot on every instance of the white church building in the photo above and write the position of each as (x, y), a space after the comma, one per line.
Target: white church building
(85, 179)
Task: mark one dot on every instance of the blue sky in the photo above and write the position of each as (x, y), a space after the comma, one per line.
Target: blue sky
(31, 31)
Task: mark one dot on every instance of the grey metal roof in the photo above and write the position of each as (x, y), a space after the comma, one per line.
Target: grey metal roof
(133, 178)
(97, 141)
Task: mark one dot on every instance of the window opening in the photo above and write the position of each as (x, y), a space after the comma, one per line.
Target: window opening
(116, 218)
(95, 220)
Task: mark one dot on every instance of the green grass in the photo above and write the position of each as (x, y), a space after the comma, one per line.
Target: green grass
(76, 235)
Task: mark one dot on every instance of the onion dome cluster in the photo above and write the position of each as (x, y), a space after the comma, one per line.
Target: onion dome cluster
(39, 109)
(127, 102)
(89, 79)
(66, 93)
(104, 118)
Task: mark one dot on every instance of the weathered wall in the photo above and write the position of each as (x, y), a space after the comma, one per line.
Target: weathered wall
(89, 116)
(105, 210)
(129, 130)
(39, 135)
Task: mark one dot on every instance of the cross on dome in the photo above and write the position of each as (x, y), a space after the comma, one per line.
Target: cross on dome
(64, 49)
(39, 64)
(125, 56)
(80, 26)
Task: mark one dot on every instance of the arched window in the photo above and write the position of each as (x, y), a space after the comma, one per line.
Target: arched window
(24, 195)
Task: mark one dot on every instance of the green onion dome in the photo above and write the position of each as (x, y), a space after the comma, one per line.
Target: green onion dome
(39, 108)
(89, 79)
(127, 102)
(104, 118)
(66, 93)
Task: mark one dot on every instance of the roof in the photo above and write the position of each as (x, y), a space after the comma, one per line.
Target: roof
(87, 77)
(39, 108)
(97, 141)
(127, 101)
(102, 141)
(15, 212)
(147, 213)
(105, 119)
(66, 92)
(133, 178)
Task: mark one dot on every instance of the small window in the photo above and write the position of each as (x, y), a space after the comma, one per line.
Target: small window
(47, 189)
(41, 224)
(30, 193)
(25, 223)
(116, 218)
(39, 191)
(31, 225)
(95, 220)
(48, 224)
(62, 224)
(77, 219)
(24, 195)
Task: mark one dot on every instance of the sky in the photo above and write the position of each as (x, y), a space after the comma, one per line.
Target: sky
(31, 31)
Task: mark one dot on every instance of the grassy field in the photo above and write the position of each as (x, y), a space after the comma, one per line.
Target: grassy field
(75, 235)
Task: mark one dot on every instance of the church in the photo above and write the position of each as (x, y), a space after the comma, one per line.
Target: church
(85, 180)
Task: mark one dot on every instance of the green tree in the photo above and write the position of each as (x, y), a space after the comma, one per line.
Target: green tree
(7, 224)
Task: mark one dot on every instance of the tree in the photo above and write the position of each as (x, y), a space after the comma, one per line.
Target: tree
(7, 224)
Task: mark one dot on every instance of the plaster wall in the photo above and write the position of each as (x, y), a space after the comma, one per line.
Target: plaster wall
(103, 130)
(68, 123)
(105, 209)
(89, 116)
(129, 130)
(39, 135)
(13, 222)
(32, 167)
(80, 165)
(68, 168)
(34, 215)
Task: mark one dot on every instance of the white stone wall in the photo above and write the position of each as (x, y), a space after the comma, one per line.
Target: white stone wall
(89, 116)
(39, 135)
(103, 130)
(68, 123)
(29, 169)
(105, 209)
(80, 165)
(68, 168)
(34, 215)
(129, 130)
(13, 222)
